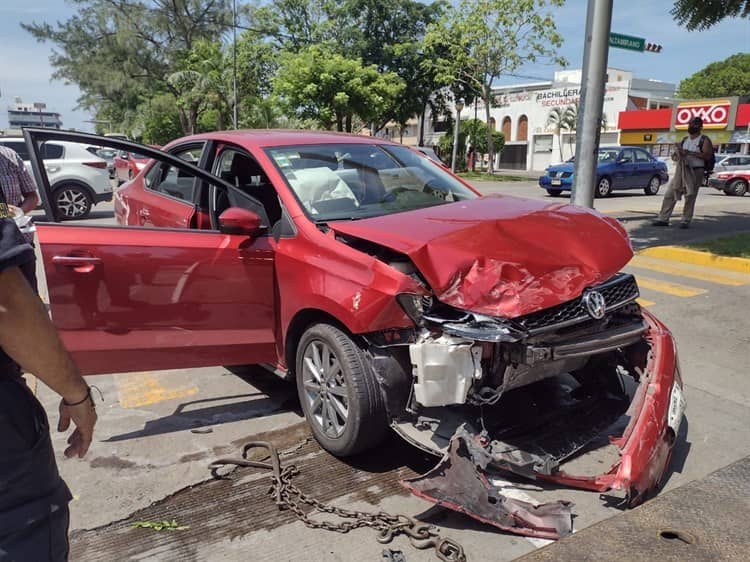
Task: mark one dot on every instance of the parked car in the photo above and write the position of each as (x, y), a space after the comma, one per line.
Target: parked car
(108, 154)
(128, 165)
(78, 178)
(389, 290)
(731, 182)
(732, 162)
(626, 167)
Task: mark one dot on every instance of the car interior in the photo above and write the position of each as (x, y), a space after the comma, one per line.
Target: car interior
(246, 174)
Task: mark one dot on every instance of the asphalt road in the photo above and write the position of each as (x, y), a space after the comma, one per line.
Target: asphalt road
(159, 430)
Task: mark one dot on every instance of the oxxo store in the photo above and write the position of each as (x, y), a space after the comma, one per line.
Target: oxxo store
(726, 122)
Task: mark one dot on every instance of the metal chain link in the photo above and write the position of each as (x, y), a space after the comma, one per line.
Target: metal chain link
(288, 496)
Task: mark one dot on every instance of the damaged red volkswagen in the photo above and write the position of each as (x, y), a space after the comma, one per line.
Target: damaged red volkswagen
(390, 291)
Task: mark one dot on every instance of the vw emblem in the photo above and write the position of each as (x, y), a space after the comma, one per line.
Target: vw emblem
(595, 304)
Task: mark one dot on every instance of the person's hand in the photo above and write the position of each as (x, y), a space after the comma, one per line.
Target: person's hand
(84, 417)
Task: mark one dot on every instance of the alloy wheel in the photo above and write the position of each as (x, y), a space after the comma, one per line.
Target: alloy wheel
(653, 186)
(73, 202)
(325, 388)
(603, 188)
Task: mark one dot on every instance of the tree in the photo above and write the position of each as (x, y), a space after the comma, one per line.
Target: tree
(120, 52)
(479, 40)
(702, 14)
(332, 89)
(559, 119)
(472, 132)
(730, 77)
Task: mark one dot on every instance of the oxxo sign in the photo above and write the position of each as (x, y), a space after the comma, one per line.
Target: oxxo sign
(715, 114)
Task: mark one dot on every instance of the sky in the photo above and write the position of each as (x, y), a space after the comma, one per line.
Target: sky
(25, 70)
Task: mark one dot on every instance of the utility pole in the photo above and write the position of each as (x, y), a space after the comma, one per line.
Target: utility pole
(234, 62)
(595, 53)
(459, 108)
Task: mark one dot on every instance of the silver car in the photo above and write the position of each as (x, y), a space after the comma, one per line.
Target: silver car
(732, 162)
(78, 178)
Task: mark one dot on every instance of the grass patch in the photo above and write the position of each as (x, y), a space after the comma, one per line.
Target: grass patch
(737, 246)
(481, 176)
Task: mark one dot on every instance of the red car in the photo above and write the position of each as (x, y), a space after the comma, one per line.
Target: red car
(128, 164)
(390, 291)
(731, 182)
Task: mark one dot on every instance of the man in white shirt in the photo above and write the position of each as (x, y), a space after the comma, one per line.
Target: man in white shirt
(691, 155)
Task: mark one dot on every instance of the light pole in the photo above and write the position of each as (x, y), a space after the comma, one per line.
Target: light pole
(459, 108)
(39, 106)
(234, 61)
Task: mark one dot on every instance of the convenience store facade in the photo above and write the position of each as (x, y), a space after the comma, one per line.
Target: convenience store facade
(726, 122)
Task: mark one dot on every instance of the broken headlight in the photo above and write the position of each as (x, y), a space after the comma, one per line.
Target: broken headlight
(414, 305)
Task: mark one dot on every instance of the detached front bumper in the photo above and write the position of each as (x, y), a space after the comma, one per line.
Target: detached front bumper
(655, 416)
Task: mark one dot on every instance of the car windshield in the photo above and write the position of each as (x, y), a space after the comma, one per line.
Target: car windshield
(606, 155)
(139, 156)
(353, 181)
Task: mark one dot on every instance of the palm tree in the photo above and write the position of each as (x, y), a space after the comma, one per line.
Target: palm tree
(556, 119)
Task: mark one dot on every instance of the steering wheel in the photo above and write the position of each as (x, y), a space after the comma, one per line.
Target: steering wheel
(392, 195)
(433, 188)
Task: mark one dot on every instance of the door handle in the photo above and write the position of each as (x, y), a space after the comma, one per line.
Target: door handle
(81, 264)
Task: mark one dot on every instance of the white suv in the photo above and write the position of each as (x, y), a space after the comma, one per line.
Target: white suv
(79, 179)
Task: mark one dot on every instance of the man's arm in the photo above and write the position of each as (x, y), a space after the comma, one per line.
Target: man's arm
(708, 149)
(30, 202)
(28, 336)
(28, 188)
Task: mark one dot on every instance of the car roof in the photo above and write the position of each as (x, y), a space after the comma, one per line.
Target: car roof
(264, 138)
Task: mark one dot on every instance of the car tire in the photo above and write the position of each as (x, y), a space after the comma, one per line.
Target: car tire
(72, 200)
(738, 188)
(554, 192)
(653, 186)
(603, 187)
(346, 412)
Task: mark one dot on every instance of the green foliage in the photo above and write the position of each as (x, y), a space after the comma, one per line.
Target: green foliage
(477, 41)
(159, 120)
(702, 14)
(120, 53)
(730, 77)
(331, 89)
(472, 132)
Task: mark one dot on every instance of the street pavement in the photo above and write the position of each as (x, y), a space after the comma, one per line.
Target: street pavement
(159, 430)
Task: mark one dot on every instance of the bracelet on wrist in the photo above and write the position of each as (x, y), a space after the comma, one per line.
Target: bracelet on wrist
(82, 400)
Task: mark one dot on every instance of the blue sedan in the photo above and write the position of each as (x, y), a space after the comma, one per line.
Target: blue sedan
(625, 167)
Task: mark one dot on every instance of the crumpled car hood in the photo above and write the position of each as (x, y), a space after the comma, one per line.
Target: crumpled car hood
(500, 255)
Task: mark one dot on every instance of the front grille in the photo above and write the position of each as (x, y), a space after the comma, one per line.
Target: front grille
(618, 291)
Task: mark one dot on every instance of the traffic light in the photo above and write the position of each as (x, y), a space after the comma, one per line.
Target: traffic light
(653, 48)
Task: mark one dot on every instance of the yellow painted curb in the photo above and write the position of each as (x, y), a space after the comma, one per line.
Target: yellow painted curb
(695, 257)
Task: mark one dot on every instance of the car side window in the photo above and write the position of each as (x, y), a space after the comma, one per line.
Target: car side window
(167, 179)
(628, 155)
(254, 191)
(641, 156)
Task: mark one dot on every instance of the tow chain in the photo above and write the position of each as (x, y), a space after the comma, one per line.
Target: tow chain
(288, 496)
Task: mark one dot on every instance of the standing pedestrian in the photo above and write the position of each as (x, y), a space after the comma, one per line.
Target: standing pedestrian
(33, 497)
(692, 156)
(19, 192)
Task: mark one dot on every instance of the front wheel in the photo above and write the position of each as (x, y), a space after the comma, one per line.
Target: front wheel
(339, 393)
(653, 186)
(72, 201)
(554, 192)
(738, 188)
(604, 187)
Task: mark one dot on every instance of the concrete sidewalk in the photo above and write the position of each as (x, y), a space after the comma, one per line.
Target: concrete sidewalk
(703, 520)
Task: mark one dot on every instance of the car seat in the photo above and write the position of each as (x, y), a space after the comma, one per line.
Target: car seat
(249, 177)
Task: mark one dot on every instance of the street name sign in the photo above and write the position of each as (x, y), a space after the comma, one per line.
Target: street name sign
(627, 42)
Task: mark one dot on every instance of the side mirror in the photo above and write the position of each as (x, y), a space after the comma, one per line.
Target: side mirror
(124, 155)
(236, 220)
